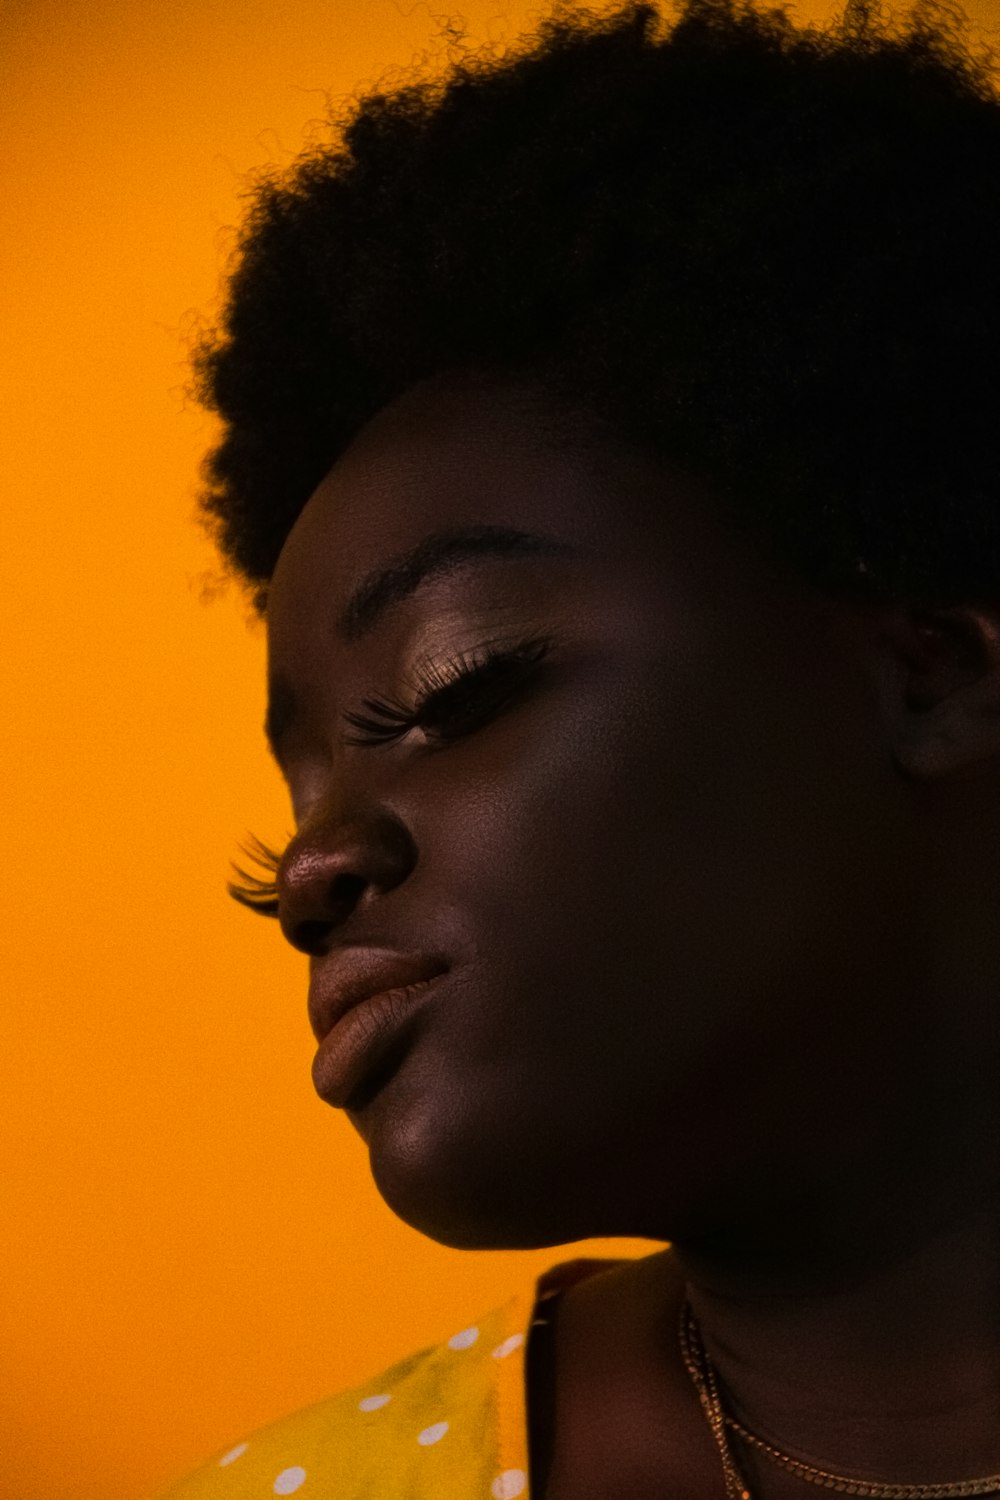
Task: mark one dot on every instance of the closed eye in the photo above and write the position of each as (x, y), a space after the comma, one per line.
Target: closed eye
(452, 699)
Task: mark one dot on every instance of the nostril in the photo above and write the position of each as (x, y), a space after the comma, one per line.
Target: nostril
(312, 937)
(312, 934)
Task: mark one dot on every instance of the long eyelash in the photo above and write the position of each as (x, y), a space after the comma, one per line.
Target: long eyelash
(433, 685)
(260, 895)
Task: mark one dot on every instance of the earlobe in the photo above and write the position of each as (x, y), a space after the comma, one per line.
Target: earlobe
(940, 684)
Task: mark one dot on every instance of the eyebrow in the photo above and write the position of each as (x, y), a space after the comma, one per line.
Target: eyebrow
(389, 584)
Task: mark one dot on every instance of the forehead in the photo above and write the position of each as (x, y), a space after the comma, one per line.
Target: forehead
(448, 453)
(452, 472)
(645, 549)
(486, 449)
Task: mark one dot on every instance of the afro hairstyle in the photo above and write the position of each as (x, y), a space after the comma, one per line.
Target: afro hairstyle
(769, 253)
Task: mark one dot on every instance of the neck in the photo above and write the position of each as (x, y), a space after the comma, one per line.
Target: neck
(882, 1367)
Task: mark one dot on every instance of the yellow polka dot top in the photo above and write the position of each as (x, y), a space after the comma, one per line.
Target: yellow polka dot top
(446, 1423)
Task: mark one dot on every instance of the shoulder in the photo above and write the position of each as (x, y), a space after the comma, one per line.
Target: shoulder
(448, 1419)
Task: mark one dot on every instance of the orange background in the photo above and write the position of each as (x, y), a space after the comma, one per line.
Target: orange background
(190, 1242)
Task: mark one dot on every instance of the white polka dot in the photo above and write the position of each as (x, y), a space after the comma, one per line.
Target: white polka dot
(508, 1346)
(508, 1484)
(432, 1434)
(289, 1480)
(372, 1403)
(227, 1458)
(464, 1339)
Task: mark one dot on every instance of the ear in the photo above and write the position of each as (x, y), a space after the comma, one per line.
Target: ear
(939, 677)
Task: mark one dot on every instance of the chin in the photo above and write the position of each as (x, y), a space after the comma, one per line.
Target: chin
(461, 1178)
(454, 1211)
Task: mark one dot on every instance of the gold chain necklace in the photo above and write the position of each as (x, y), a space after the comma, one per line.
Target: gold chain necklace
(703, 1374)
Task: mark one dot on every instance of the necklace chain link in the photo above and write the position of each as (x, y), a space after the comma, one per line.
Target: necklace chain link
(703, 1375)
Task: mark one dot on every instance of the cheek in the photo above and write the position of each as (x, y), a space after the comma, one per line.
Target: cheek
(656, 890)
(650, 876)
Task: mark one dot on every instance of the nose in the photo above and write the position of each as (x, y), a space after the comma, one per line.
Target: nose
(326, 871)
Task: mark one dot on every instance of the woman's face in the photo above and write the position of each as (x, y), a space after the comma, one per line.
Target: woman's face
(662, 850)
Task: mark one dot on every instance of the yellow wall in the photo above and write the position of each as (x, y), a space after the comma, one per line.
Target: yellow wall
(190, 1244)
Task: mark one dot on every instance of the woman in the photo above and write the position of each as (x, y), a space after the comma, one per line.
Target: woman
(610, 441)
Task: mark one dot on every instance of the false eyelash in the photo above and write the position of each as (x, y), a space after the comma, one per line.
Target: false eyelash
(434, 688)
(260, 895)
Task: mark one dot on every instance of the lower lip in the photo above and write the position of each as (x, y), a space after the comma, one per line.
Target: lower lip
(361, 1039)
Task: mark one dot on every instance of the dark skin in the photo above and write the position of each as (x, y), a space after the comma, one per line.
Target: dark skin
(718, 884)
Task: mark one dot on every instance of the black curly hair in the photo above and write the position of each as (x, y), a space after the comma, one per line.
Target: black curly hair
(769, 252)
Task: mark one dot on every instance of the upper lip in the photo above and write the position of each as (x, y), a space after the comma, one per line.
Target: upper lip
(359, 973)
